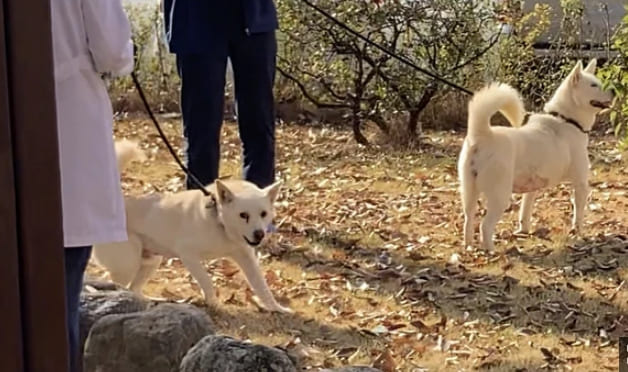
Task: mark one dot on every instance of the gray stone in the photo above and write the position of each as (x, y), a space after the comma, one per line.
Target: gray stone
(96, 305)
(151, 341)
(225, 354)
(352, 369)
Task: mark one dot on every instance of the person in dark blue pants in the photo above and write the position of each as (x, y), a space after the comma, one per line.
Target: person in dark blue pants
(204, 34)
(76, 259)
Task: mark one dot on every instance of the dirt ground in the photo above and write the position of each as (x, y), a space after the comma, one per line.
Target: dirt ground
(369, 254)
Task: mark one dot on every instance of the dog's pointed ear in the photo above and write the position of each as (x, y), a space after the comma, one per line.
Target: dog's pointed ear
(576, 73)
(272, 191)
(224, 194)
(591, 67)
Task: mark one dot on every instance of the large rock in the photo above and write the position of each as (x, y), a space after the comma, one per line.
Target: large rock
(351, 369)
(96, 305)
(151, 341)
(225, 354)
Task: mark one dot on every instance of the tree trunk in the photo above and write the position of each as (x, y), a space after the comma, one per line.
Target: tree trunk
(415, 112)
(160, 55)
(413, 123)
(381, 123)
(357, 132)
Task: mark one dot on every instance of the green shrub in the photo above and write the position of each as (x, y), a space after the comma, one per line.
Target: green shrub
(326, 73)
(333, 69)
(616, 77)
(155, 68)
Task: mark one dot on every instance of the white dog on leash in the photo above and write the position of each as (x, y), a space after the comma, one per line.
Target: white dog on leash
(192, 227)
(549, 149)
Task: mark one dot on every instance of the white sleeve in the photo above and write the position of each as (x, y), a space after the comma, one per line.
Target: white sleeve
(108, 36)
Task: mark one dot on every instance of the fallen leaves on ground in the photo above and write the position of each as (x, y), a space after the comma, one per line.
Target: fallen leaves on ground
(369, 254)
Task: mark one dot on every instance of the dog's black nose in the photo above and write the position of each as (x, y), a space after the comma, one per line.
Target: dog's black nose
(258, 235)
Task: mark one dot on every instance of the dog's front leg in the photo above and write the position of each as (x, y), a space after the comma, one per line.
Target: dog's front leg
(525, 214)
(250, 266)
(580, 181)
(581, 194)
(194, 265)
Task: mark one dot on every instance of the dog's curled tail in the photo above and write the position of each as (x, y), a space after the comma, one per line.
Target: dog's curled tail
(126, 152)
(488, 101)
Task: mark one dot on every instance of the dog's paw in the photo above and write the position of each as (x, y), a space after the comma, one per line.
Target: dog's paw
(212, 307)
(283, 310)
(154, 299)
(211, 301)
(487, 247)
(277, 308)
(522, 232)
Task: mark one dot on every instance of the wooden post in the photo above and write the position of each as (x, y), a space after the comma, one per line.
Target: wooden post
(11, 334)
(33, 336)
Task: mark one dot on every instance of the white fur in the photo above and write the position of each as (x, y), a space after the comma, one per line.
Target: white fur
(126, 152)
(497, 161)
(192, 227)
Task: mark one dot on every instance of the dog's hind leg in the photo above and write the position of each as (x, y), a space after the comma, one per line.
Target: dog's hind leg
(497, 203)
(250, 266)
(202, 277)
(148, 266)
(122, 260)
(525, 214)
(470, 204)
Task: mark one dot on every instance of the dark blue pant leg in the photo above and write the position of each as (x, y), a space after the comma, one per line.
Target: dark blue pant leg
(75, 263)
(202, 105)
(253, 60)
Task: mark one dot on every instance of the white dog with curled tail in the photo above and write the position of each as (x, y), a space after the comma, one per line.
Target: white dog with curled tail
(551, 148)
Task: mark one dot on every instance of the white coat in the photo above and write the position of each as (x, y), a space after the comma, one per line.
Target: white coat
(90, 38)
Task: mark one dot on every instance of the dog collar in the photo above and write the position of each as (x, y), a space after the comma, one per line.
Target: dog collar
(212, 203)
(568, 120)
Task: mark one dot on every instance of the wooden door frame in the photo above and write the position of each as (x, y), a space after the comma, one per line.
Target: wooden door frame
(10, 320)
(29, 158)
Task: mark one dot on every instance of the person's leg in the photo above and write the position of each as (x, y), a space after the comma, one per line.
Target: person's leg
(76, 259)
(253, 59)
(202, 105)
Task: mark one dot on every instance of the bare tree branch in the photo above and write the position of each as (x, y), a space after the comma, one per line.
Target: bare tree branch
(307, 95)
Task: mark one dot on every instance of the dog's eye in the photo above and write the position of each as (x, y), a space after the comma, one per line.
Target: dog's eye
(594, 85)
(264, 214)
(244, 216)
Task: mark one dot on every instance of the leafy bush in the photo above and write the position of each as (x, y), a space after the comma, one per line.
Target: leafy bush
(324, 71)
(518, 63)
(333, 69)
(538, 75)
(616, 78)
(155, 67)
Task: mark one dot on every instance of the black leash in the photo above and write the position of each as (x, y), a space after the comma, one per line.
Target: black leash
(386, 50)
(191, 175)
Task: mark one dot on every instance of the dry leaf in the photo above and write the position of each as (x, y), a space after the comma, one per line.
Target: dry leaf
(385, 362)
